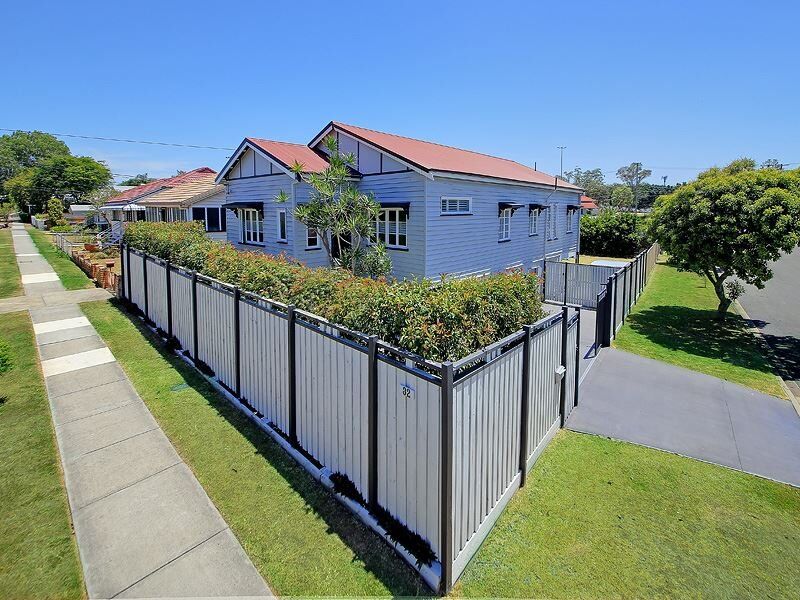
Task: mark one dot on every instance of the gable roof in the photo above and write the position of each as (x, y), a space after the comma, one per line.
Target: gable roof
(287, 154)
(588, 203)
(432, 157)
(139, 191)
(185, 194)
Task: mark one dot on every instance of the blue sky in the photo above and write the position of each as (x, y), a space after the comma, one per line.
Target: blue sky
(676, 85)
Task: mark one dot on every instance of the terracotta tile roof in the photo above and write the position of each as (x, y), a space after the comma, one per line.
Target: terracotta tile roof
(588, 203)
(430, 156)
(132, 194)
(288, 154)
(185, 194)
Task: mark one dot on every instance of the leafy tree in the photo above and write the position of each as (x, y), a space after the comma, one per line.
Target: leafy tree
(22, 150)
(621, 197)
(22, 190)
(139, 179)
(772, 163)
(71, 175)
(613, 233)
(632, 176)
(730, 222)
(342, 215)
(6, 210)
(99, 198)
(592, 181)
(55, 212)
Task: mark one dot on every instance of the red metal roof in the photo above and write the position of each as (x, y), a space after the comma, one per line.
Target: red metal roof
(430, 156)
(288, 154)
(142, 190)
(588, 203)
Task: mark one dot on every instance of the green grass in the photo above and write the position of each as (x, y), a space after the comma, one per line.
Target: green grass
(674, 322)
(302, 541)
(10, 282)
(606, 519)
(68, 272)
(38, 556)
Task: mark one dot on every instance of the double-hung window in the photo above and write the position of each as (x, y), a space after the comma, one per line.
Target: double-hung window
(452, 205)
(551, 222)
(504, 225)
(391, 228)
(570, 220)
(282, 225)
(252, 226)
(533, 221)
(312, 239)
(213, 217)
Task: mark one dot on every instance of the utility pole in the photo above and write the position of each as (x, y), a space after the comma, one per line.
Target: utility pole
(664, 179)
(562, 148)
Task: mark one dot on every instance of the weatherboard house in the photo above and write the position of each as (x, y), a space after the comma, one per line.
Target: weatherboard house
(445, 211)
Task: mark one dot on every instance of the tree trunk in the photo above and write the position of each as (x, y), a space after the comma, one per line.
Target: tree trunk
(724, 301)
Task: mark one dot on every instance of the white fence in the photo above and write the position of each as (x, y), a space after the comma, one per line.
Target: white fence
(441, 446)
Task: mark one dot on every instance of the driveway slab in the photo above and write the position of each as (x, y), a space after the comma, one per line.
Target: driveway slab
(636, 399)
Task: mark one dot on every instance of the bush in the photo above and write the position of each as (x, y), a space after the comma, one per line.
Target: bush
(61, 229)
(6, 361)
(613, 233)
(55, 212)
(444, 321)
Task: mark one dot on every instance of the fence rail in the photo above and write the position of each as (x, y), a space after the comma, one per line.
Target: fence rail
(440, 446)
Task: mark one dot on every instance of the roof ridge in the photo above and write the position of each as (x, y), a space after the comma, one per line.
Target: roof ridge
(276, 141)
(405, 137)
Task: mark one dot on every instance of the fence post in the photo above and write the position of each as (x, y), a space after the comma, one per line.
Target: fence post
(526, 384)
(195, 342)
(562, 402)
(168, 276)
(291, 319)
(614, 305)
(626, 270)
(237, 351)
(446, 541)
(128, 271)
(566, 280)
(577, 354)
(372, 417)
(609, 320)
(144, 279)
(122, 271)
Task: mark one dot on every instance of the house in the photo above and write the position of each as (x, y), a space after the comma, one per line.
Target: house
(125, 207)
(446, 211)
(588, 205)
(199, 199)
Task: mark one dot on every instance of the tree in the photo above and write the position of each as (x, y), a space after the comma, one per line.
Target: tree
(55, 212)
(71, 175)
(772, 163)
(632, 176)
(592, 181)
(343, 216)
(6, 210)
(99, 198)
(22, 150)
(23, 192)
(621, 197)
(730, 222)
(139, 179)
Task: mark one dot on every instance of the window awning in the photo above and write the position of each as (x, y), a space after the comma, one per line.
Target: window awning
(243, 204)
(574, 206)
(512, 205)
(132, 207)
(405, 206)
(536, 206)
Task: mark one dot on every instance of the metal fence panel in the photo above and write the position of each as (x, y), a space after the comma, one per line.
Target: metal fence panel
(135, 269)
(409, 448)
(182, 317)
(544, 391)
(215, 330)
(157, 292)
(264, 341)
(575, 283)
(332, 403)
(572, 340)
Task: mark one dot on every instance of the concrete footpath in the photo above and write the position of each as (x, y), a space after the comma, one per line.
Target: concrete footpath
(145, 527)
(640, 400)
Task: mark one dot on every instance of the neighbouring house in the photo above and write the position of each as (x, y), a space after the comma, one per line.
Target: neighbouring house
(197, 200)
(125, 207)
(588, 205)
(446, 211)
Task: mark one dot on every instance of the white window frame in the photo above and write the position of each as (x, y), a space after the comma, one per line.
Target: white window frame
(388, 235)
(444, 209)
(570, 220)
(551, 222)
(533, 221)
(312, 233)
(504, 225)
(283, 236)
(205, 209)
(251, 216)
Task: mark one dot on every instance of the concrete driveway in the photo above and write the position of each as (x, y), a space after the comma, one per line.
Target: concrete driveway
(636, 399)
(775, 310)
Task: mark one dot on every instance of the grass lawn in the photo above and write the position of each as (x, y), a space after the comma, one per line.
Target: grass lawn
(10, 283)
(38, 555)
(302, 541)
(602, 519)
(68, 272)
(674, 321)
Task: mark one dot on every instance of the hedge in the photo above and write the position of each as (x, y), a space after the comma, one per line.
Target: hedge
(613, 233)
(443, 320)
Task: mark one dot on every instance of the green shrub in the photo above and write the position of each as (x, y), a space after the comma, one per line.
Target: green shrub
(613, 233)
(6, 361)
(440, 321)
(61, 229)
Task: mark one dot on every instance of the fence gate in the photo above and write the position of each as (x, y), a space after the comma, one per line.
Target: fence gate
(568, 283)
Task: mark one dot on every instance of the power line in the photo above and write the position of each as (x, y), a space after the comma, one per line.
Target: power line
(124, 140)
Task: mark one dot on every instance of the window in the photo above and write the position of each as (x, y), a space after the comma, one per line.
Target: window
(312, 239)
(570, 219)
(550, 225)
(504, 225)
(213, 217)
(533, 221)
(456, 206)
(390, 228)
(282, 225)
(252, 226)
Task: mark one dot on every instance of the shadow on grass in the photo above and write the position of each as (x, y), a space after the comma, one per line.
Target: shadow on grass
(699, 333)
(378, 558)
